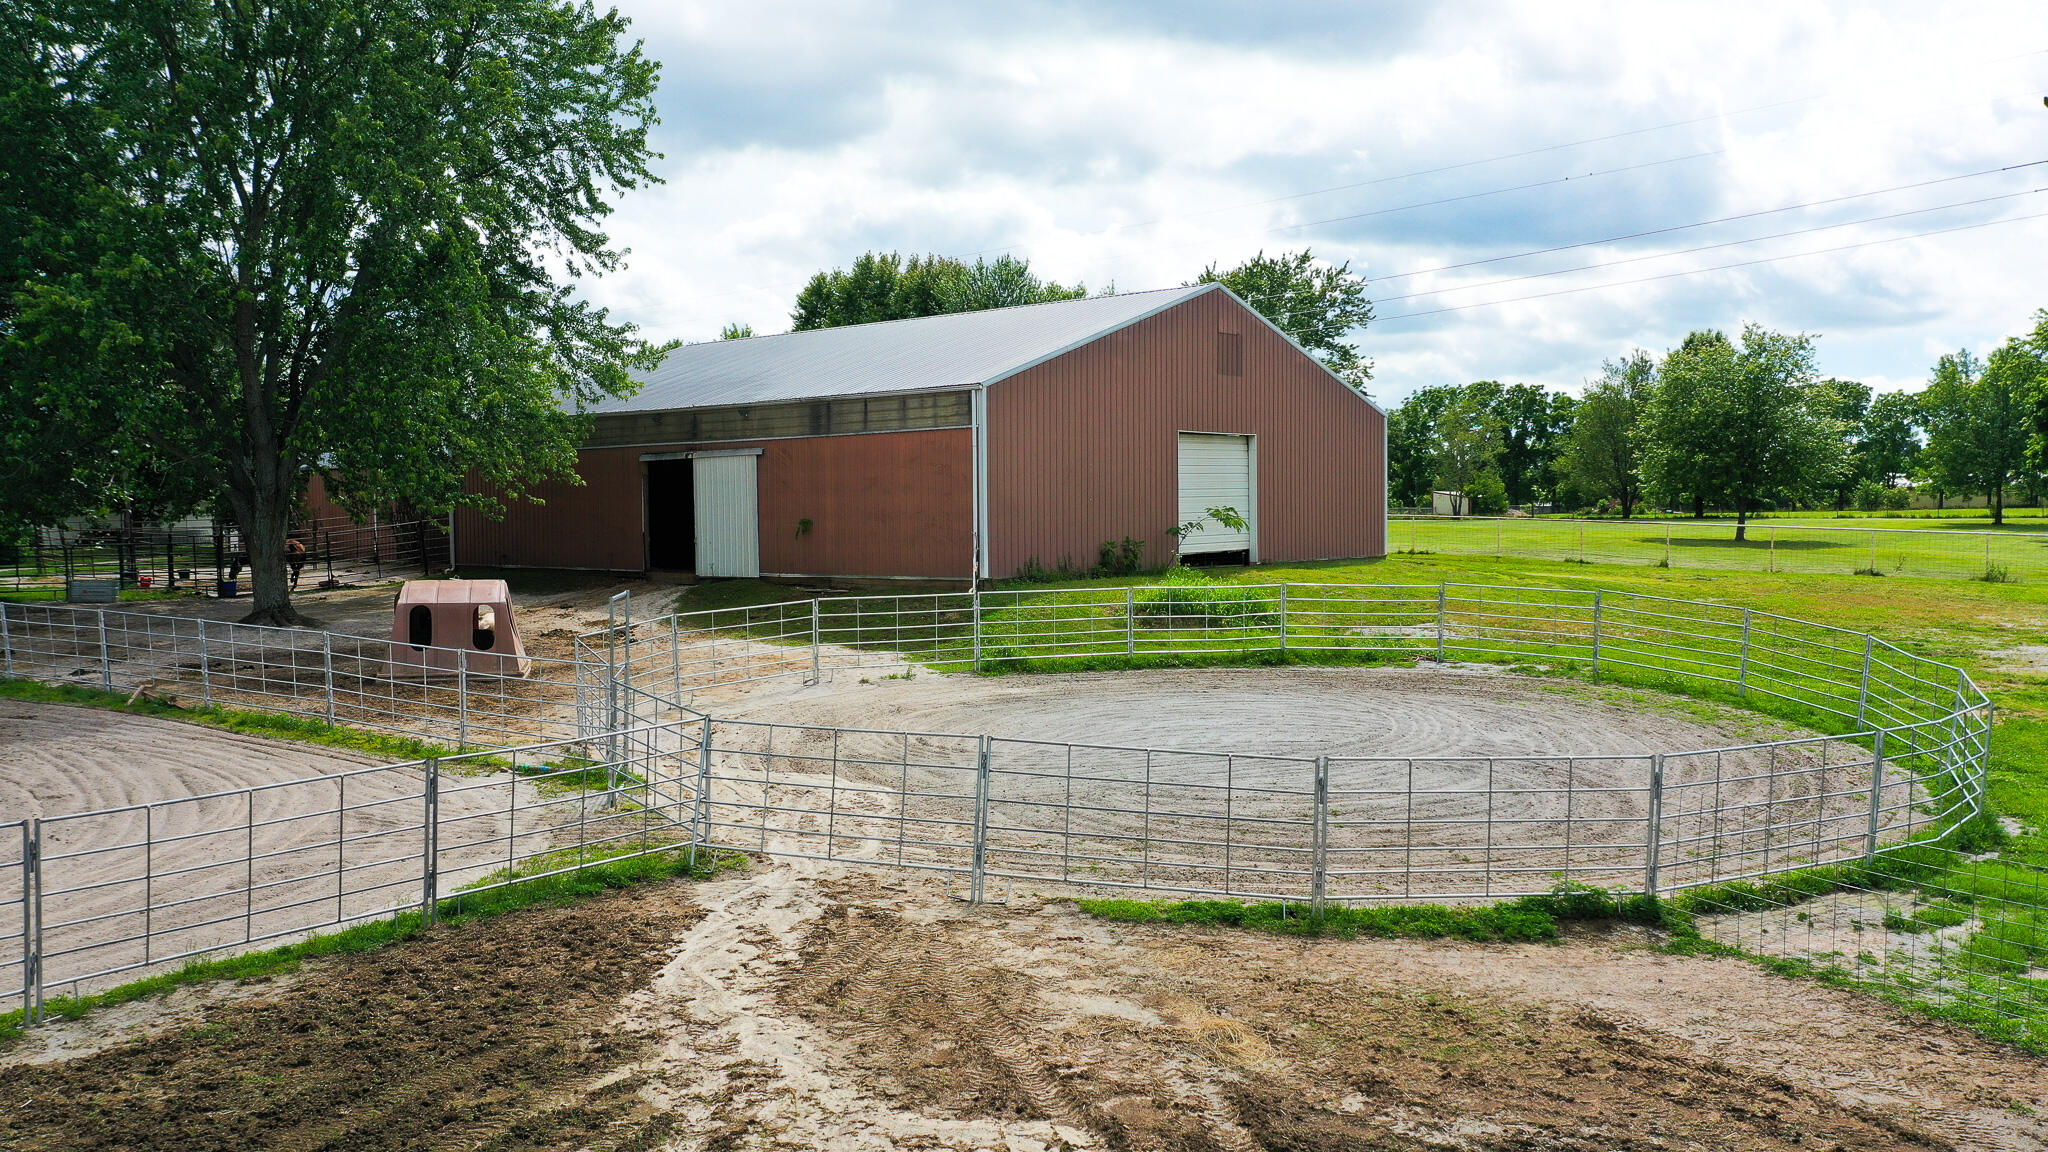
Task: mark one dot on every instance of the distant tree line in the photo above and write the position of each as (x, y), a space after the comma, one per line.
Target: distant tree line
(1739, 425)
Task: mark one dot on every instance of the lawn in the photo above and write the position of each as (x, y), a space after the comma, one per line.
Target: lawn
(1953, 549)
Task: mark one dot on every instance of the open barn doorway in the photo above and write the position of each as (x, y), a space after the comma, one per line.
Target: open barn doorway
(671, 516)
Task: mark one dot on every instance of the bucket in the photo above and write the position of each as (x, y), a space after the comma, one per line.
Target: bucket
(144, 581)
(228, 588)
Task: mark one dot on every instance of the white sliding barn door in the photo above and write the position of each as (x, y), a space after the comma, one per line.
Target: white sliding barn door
(728, 515)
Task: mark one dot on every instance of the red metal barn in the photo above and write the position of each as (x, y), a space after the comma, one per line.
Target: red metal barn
(973, 444)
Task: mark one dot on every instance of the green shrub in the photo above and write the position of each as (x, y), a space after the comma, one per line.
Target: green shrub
(1120, 558)
(1186, 594)
(1487, 495)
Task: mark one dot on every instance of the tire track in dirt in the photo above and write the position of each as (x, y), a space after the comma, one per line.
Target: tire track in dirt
(738, 1070)
(487, 1034)
(1164, 1038)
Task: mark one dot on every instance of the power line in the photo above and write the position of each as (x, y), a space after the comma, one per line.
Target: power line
(1715, 268)
(1706, 223)
(1712, 247)
(1492, 192)
(1398, 208)
(1553, 181)
(1463, 164)
(1406, 175)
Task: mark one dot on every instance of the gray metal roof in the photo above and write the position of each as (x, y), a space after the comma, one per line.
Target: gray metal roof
(930, 353)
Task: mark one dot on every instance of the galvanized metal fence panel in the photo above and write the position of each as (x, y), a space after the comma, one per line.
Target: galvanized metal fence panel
(145, 886)
(360, 681)
(632, 769)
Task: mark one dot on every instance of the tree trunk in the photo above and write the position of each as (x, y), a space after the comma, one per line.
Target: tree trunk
(1998, 504)
(262, 491)
(265, 520)
(1699, 507)
(1741, 520)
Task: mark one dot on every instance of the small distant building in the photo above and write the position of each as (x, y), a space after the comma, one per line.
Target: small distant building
(967, 445)
(1442, 503)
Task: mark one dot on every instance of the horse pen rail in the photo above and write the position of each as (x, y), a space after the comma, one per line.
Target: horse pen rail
(1907, 767)
(145, 886)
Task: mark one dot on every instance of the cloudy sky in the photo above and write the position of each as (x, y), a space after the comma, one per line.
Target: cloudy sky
(1441, 148)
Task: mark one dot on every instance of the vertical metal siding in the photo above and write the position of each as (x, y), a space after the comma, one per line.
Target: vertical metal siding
(882, 504)
(728, 517)
(1085, 448)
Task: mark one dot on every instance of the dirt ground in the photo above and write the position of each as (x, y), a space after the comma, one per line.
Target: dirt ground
(1299, 712)
(548, 622)
(162, 840)
(797, 1006)
(1447, 782)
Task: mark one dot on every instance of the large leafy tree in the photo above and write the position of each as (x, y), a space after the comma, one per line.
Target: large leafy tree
(885, 286)
(1847, 404)
(1740, 425)
(1320, 305)
(311, 234)
(1980, 416)
(1534, 422)
(1468, 448)
(1889, 446)
(1603, 452)
(1412, 432)
(1682, 425)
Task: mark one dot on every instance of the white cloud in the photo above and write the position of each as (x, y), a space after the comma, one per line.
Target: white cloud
(1137, 143)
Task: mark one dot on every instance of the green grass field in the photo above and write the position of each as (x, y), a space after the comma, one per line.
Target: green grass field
(1953, 549)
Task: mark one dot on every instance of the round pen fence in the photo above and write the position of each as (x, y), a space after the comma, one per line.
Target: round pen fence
(621, 751)
(1345, 828)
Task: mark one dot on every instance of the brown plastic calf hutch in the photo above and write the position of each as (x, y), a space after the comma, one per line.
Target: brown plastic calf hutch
(441, 626)
(969, 446)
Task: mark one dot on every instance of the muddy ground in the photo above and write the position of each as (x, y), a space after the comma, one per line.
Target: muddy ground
(794, 1006)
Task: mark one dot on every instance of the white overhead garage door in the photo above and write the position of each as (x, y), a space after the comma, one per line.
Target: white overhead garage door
(728, 515)
(1215, 472)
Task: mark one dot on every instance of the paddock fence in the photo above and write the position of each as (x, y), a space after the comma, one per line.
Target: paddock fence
(630, 736)
(337, 678)
(144, 887)
(170, 557)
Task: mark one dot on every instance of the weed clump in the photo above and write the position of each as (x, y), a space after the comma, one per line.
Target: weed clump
(1531, 918)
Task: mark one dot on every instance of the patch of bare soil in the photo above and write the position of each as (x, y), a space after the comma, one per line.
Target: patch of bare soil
(1210, 1052)
(797, 1007)
(841, 1013)
(492, 1034)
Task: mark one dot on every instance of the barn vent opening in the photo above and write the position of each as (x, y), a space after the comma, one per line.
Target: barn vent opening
(1230, 353)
